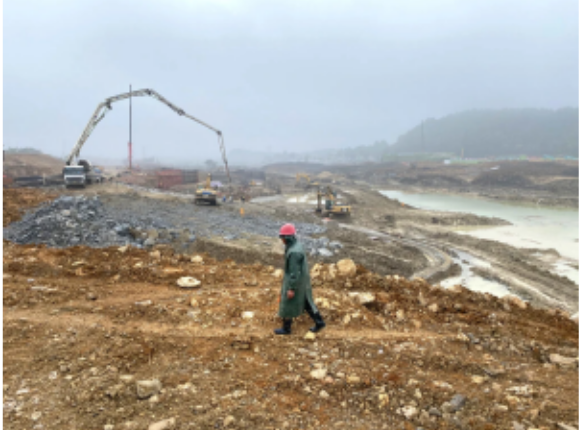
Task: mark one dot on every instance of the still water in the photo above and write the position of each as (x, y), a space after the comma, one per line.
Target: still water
(533, 226)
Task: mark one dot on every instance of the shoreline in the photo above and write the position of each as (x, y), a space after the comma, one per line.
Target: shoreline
(513, 196)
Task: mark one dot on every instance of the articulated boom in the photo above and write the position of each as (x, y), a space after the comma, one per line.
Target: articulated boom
(105, 106)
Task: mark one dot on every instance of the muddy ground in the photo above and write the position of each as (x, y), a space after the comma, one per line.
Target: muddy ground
(404, 237)
(551, 184)
(84, 327)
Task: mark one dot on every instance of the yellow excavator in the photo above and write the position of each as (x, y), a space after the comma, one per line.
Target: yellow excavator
(331, 207)
(303, 180)
(205, 193)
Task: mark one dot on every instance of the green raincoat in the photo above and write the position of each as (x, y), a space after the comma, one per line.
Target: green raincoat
(297, 278)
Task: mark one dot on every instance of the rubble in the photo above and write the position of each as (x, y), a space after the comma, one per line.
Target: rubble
(81, 220)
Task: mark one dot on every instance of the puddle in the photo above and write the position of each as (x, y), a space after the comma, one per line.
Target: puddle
(472, 281)
(563, 268)
(307, 198)
(532, 226)
(266, 199)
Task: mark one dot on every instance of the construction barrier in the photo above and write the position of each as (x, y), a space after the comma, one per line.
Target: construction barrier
(168, 178)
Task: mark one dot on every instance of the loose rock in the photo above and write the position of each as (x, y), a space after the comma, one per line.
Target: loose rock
(188, 282)
(146, 389)
(346, 267)
(167, 424)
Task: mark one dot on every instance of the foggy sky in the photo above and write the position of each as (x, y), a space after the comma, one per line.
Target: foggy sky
(275, 75)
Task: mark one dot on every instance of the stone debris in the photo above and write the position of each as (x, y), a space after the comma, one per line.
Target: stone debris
(319, 373)
(167, 424)
(515, 301)
(142, 223)
(564, 361)
(409, 412)
(310, 336)
(148, 388)
(363, 298)
(144, 303)
(188, 282)
(562, 426)
(346, 268)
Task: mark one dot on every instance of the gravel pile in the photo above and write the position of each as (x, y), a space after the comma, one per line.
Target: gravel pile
(69, 221)
(141, 222)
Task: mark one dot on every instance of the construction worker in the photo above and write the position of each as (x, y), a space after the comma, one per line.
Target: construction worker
(296, 293)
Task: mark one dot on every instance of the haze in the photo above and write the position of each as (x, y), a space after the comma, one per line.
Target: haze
(275, 76)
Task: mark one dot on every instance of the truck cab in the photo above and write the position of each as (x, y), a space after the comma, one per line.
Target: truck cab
(74, 176)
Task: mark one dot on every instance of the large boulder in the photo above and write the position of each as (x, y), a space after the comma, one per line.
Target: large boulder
(346, 267)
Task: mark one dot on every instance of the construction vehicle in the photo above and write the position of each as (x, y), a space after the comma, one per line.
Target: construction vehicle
(303, 180)
(205, 193)
(332, 208)
(81, 174)
(75, 177)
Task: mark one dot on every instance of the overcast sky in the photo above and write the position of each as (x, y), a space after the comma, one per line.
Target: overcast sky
(275, 75)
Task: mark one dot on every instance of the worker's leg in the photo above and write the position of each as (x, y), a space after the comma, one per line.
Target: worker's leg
(316, 317)
(286, 327)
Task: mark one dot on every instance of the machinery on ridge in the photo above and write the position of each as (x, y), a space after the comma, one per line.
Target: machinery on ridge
(205, 193)
(303, 180)
(76, 177)
(331, 208)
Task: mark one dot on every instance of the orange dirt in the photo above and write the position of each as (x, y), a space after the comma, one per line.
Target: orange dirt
(17, 201)
(82, 325)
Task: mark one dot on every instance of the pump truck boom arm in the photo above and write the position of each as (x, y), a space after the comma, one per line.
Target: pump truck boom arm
(105, 106)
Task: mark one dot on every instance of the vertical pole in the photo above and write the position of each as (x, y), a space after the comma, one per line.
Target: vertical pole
(130, 128)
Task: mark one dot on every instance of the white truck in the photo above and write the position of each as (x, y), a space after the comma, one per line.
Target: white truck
(80, 175)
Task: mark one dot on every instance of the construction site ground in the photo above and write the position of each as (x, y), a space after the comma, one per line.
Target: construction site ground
(549, 183)
(104, 338)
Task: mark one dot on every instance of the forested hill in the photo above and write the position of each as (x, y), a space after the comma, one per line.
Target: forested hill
(483, 133)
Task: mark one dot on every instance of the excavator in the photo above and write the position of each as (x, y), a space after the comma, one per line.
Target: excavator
(303, 177)
(205, 193)
(331, 207)
(73, 171)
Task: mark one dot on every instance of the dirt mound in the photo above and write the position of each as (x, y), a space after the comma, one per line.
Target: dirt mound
(501, 178)
(32, 164)
(433, 180)
(562, 186)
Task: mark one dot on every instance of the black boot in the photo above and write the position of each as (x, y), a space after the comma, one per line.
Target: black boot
(286, 327)
(320, 324)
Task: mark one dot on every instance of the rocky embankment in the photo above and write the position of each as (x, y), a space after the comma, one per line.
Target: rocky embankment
(116, 221)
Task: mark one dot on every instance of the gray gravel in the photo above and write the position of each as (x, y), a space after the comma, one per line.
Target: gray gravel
(143, 222)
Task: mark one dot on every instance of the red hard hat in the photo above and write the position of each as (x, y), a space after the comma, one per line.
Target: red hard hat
(288, 230)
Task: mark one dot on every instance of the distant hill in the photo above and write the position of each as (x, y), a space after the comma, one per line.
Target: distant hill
(26, 164)
(22, 151)
(483, 133)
